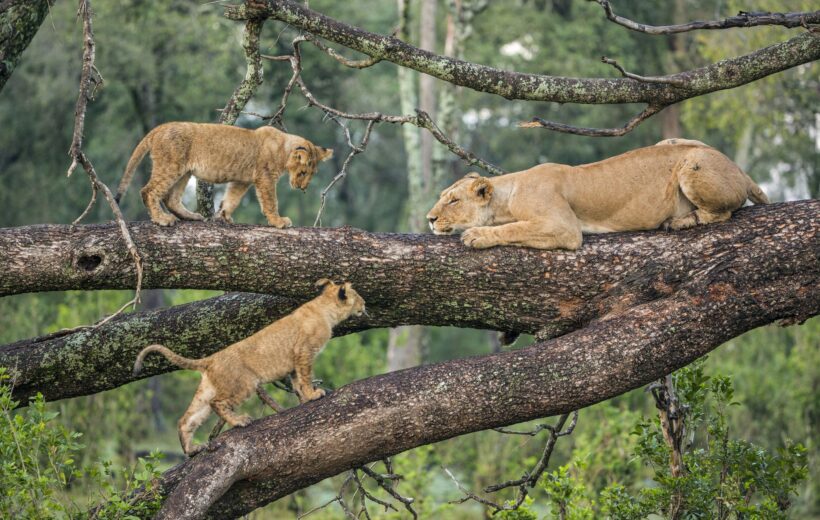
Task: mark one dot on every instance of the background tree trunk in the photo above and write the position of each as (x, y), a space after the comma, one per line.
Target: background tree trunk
(19, 22)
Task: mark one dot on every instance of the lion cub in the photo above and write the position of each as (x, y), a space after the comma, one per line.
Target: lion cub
(676, 184)
(218, 154)
(287, 346)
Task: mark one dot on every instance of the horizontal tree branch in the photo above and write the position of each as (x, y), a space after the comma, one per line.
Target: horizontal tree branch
(724, 295)
(725, 74)
(511, 289)
(742, 19)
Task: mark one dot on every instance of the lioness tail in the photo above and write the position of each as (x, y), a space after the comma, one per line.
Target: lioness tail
(180, 361)
(136, 156)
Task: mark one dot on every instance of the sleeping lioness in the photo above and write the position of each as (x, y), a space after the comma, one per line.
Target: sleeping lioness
(676, 184)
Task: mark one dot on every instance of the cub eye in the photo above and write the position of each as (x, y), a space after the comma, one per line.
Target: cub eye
(452, 202)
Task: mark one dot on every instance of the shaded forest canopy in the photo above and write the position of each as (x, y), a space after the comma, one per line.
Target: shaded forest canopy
(623, 312)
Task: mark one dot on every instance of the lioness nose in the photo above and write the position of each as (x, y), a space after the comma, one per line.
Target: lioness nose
(432, 219)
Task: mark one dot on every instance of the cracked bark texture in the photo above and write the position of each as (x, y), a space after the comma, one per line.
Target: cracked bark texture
(725, 74)
(19, 22)
(406, 279)
(733, 287)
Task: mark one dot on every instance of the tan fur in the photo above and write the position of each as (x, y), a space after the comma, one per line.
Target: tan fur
(218, 154)
(287, 346)
(677, 183)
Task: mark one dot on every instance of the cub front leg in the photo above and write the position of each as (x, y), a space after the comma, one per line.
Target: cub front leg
(266, 193)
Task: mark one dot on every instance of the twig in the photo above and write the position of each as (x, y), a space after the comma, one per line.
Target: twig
(677, 82)
(530, 478)
(386, 483)
(630, 125)
(742, 19)
(90, 80)
(338, 498)
(354, 64)
(354, 150)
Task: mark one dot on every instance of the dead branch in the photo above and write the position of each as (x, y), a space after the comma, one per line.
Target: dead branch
(742, 19)
(90, 80)
(630, 125)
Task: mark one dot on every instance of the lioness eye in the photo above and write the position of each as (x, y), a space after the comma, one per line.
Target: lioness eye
(452, 202)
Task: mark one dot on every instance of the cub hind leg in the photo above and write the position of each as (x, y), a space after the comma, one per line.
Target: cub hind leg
(161, 182)
(713, 184)
(197, 412)
(173, 201)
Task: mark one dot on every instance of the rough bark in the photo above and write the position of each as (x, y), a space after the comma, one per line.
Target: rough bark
(744, 285)
(725, 74)
(520, 290)
(19, 22)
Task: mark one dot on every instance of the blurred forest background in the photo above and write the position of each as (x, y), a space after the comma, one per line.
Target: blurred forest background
(180, 60)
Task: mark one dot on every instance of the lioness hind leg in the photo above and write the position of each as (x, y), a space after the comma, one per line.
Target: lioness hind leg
(173, 201)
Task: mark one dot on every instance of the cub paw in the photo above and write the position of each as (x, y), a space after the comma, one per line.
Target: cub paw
(243, 421)
(281, 222)
(165, 220)
(195, 450)
(224, 217)
(478, 238)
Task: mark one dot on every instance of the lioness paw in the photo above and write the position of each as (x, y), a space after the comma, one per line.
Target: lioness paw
(478, 238)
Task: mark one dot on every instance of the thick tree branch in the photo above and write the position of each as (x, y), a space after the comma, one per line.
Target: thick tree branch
(742, 19)
(725, 74)
(724, 295)
(516, 289)
(19, 22)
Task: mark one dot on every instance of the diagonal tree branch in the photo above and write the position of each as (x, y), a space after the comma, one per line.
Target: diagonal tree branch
(513, 289)
(725, 74)
(388, 414)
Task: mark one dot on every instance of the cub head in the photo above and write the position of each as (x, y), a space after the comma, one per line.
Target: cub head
(344, 296)
(303, 162)
(463, 205)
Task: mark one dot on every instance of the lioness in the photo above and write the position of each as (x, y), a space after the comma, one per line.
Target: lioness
(221, 153)
(677, 184)
(286, 346)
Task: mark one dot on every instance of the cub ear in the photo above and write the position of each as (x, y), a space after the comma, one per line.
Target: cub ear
(482, 189)
(472, 175)
(323, 283)
(299, 155)
(343, 293)
(325, 153)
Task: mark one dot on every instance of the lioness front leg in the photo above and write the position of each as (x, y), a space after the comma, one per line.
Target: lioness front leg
(266, 193)
(527, 233)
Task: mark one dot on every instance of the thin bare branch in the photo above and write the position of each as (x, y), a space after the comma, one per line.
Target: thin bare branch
(646, 79)
(630, 125)
(354, 64)
(742, 19)
(90, 80)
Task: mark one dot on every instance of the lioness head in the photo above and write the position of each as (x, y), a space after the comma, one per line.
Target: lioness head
(463, 205)
(303, 162)
(343, 295)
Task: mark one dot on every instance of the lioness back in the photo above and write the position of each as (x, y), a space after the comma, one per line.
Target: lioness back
(676, 184)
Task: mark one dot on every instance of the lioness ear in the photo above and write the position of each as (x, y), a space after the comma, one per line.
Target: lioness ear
(343, 293)
(325, 154)
(482, 188)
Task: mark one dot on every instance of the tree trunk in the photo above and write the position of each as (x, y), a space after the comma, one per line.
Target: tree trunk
(515, 289)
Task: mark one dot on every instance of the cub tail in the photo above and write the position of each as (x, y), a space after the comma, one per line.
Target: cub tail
(755, 194)
(136, 157)
(182, 362)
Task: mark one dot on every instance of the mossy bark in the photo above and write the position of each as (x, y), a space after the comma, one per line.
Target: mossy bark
(406, 280)
(19, 22)
(725, 74)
